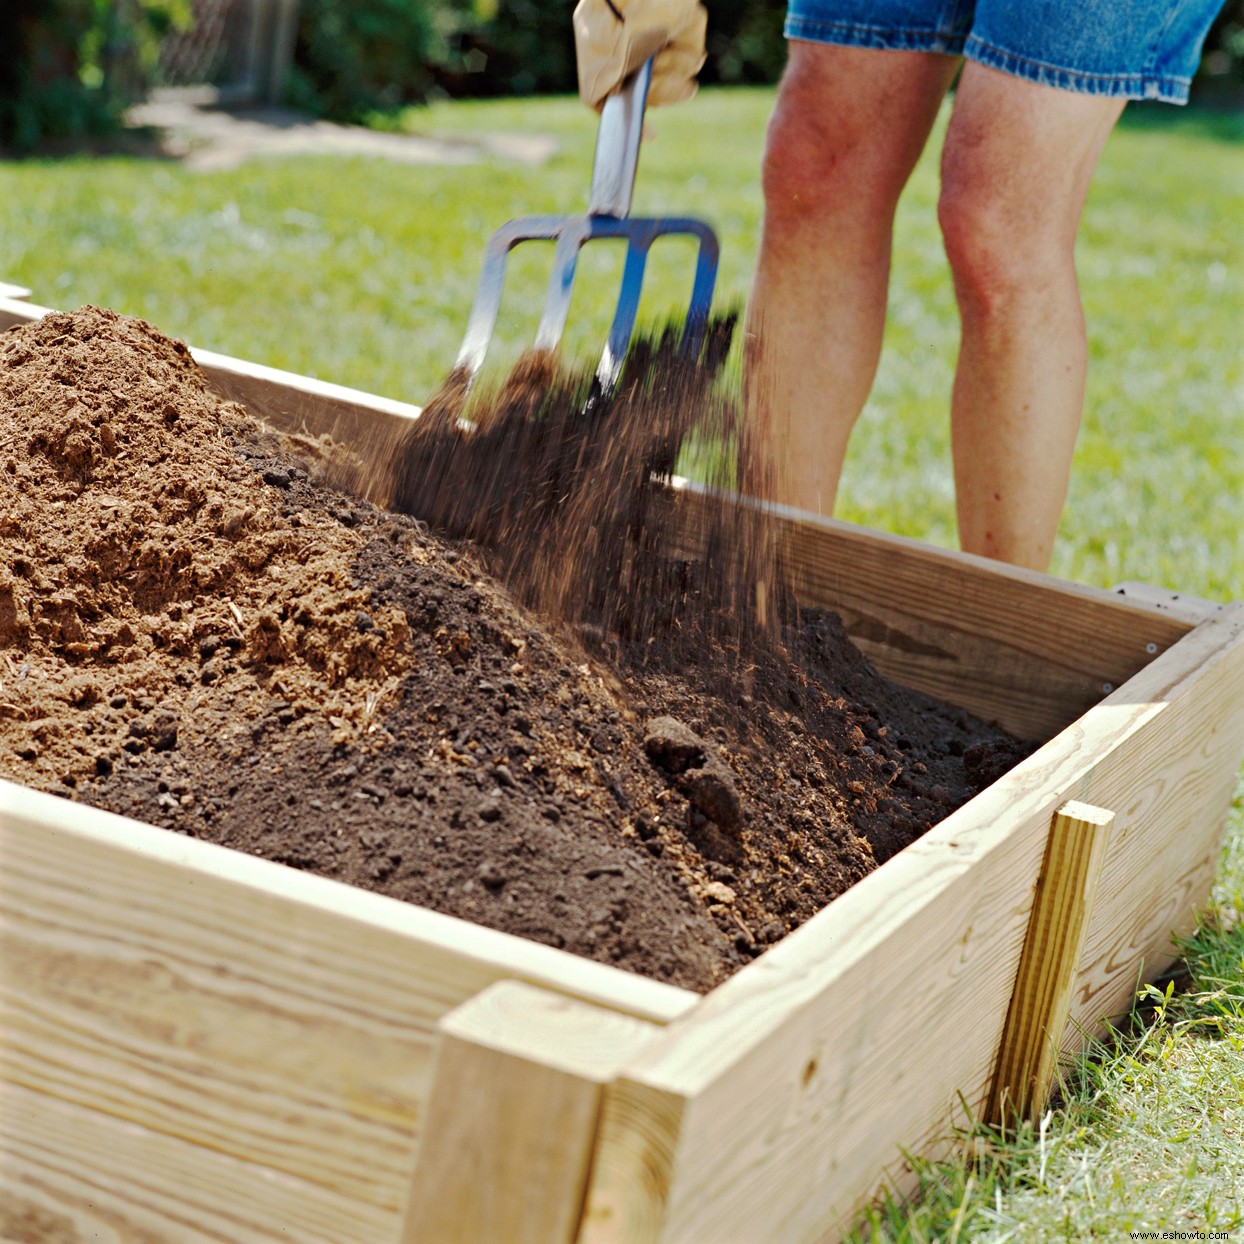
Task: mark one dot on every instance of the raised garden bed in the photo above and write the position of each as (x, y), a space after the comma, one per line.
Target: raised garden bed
(201, 1045)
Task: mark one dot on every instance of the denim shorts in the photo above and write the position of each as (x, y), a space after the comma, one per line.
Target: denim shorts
(1137, 49)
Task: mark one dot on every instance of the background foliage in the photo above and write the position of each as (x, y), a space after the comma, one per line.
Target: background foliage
(356, 57)
(524, 47)
(68, 68)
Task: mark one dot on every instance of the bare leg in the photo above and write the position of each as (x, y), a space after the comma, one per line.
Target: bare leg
(1015, 172)
(847, 130)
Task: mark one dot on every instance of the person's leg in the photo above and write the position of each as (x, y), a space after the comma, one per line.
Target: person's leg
(847, 129)
(1016, 169)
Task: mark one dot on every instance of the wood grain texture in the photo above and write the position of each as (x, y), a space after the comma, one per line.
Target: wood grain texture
(511, 1122)
(1026, 650)
(1193, 609)
(279, 1019)
(856, 1034)
(1041, 999)
(1170, 793)
(778, 1115)
(71, 1175)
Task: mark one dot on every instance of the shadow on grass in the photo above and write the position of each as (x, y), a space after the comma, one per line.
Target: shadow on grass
(1214, 113)
(132, 142)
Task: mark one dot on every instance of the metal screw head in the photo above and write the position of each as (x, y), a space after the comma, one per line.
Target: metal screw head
(1151, 648)
(1107, 688)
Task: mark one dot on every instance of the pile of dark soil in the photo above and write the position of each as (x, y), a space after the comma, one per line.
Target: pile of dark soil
(196, 633)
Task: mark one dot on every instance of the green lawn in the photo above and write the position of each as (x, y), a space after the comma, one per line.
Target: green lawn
(362, 272)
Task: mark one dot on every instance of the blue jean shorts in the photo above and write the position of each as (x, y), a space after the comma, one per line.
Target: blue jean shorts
(1137, 49)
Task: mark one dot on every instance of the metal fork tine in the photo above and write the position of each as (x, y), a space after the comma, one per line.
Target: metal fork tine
(624, 315)
(484, 310)
(701, 293)
(561, 285)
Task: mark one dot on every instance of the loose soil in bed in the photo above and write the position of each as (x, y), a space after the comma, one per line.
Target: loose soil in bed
(197, 632)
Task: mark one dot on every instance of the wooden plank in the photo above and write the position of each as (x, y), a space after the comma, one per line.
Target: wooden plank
(1041, 1000)
(70, 1174)
(511, 1122)
(1170, 799)
(281, 1019)
(856, 1035)
(1023, 649)
(828, 1066)
(14, 292)
(1193, 609)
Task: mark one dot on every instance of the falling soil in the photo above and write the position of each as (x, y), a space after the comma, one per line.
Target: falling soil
(197, 632)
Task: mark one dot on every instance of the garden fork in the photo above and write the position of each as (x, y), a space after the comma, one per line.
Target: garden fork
(613, 180)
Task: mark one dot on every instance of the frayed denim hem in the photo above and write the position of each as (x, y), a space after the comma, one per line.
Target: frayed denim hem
(850, 34)
(1170, 90)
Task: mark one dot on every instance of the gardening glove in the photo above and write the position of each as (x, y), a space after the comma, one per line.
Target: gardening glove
(613, 38)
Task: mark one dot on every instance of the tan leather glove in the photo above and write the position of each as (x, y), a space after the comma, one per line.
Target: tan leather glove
(614, 37)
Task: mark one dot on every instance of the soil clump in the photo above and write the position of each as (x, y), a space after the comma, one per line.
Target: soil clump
(197, 632)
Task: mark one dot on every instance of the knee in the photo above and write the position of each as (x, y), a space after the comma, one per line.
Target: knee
(998, 243)
(978, 240)
(818, 167)
(803, 172)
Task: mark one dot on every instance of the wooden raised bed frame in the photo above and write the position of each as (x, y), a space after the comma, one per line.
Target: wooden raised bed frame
(202, 1046)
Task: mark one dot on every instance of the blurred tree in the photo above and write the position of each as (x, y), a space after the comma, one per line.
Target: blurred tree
(353, 58)
(69, 68)
(356, 58)
(1224, 48)
(507, 47)
(523, 47)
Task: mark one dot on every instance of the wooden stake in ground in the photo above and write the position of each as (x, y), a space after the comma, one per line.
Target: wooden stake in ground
(1041, 1003)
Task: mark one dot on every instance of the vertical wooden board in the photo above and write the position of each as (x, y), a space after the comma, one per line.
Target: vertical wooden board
(778, 1112)
(1171, 797)
(634, 1165)
(511, 1122)
(281, 1019)
(1053, 945)
(70, 1175)
(803, 1059)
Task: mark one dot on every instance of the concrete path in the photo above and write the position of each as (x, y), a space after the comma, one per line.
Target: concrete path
(206, 136)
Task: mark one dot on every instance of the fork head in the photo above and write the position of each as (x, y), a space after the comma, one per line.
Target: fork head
(570, 234)
(613, 181)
